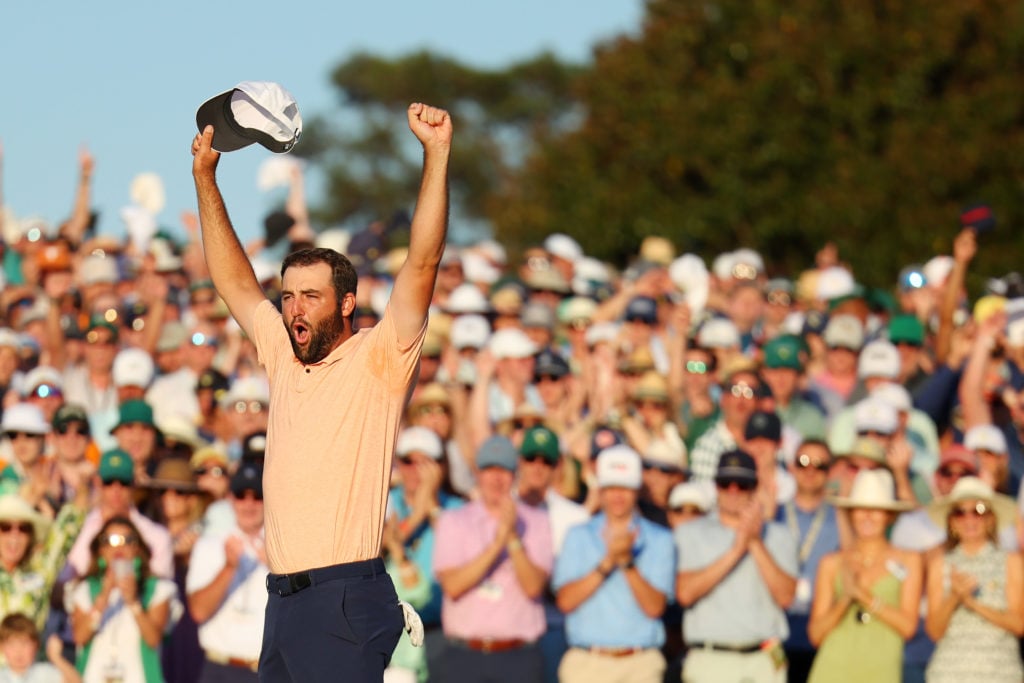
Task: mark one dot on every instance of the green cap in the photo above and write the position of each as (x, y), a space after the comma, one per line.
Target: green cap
(541, 440)
(117, 465)
(784, 352)
(135, 411)
(906, 329)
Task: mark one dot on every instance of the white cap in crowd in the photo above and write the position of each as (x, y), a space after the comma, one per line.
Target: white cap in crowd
(718, 333)
(844, 331)
(24, 417)
(563, 246)
(619, 466)
(467, 298)
(511, 342)
(253, 388)
(689, 493)
(874, 415)
(133, 368)
(986, 437)
(419, 440)
(879, 358)
(470, 331)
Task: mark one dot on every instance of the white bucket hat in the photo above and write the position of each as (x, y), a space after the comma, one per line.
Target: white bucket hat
(14, 508)
(873, 490)
(973, 488)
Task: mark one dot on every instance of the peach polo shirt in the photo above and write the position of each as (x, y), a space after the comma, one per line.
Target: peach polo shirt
(330, 441)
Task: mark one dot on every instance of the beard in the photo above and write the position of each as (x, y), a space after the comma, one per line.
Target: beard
(322, 337)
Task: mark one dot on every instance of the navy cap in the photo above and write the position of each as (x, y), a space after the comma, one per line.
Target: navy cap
(249, 477)
(736, 466)
(642, 309)
(549, 362)
(602, 438)
(763, 425)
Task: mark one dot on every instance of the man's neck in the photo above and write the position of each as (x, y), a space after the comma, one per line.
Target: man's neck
(808, 501)
(533, 497)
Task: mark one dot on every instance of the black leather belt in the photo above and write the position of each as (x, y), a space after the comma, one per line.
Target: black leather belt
(722, 647)
(287, 584)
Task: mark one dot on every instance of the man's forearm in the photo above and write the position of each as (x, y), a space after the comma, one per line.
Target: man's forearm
(221, 246)
(430, 220)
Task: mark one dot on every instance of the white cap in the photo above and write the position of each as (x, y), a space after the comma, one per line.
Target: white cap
(476, 268)
(576, 308)
(334, 238)
(133, 368)
(493, 251)
(689, 493)
(718, 333)
(96, 269)
(666, 453)
(874, 415)
(606, 332)
(722, 266)
(253, 388)
(937, 270)
(895, 395)
(835, 282)
(467, 298)
(690, 275)
(880, 358)
(511, 342)
(140, 223)
(252, 111)
(180, 428)
(24, 417)
(42, 374)
(419, 440)
(986, 437)
(844, 331)
(746, 257)
(470, 331)
(585, 273)
(619, 466)
(563, 246)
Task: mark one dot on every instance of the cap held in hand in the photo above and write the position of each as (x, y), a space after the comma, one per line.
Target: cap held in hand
(252, 111)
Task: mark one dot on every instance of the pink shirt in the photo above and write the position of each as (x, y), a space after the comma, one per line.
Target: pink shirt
(497, 607)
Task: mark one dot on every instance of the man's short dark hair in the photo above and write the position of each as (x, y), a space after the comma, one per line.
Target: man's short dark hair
(343, 274)
(17, 624)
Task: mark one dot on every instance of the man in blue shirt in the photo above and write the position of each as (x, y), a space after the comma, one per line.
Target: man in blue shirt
(612, 579)
(736, 576)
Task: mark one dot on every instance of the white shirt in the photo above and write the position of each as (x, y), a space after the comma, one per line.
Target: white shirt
(118, 639)
(236, 628)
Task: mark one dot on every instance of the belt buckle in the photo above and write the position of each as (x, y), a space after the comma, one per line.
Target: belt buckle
(298, 582)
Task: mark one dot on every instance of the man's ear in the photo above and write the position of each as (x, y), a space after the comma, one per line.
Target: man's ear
(348, 305)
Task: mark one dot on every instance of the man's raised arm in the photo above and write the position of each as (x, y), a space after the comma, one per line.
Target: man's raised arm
(414, 283)
(229, 267)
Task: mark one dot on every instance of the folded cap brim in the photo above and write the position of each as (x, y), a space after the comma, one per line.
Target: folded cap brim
(216, 112)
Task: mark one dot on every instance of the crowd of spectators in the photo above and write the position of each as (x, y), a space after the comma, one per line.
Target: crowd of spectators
(662, 471)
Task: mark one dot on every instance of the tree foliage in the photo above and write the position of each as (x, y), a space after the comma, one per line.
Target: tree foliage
(770, 124)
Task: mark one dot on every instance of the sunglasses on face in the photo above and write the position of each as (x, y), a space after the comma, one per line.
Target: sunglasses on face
(655, 405)
(20, 527)
(745, 486)
(779, 299)
(546, 378)
(976, 510)
(95, 339)
(664, 469)
(579, 324)
(742, 390)
(76, 428)
(691, 510)
(696, 367)
(950, 473)
(524, 424)
(212, 471)
(249, 494)
(110, 482)
(534, 457)
(248, 407)
(47, 391)
(201, 300)
(804, 461)
(120, 540)
(20, 435)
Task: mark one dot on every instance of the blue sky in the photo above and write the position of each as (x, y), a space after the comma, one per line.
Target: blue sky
(125, 79)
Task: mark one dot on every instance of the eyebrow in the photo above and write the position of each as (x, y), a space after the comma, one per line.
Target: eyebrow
(308, 290)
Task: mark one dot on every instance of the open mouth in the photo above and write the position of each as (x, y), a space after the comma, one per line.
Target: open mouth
(300, 331)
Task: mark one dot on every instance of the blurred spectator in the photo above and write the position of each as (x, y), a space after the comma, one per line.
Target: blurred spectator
(19, 645)
(867, 597)
(613, 581)
(226, 585)
(116, 482)
(492, 558)
(736, 575)
(120, 610)
(737, 403)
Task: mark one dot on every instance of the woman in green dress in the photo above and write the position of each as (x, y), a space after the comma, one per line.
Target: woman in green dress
(868, 595)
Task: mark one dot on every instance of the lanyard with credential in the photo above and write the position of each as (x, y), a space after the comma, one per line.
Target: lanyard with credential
(812, 532)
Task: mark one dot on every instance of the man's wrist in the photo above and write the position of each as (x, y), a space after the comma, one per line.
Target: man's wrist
(605, 567)
(514, 544)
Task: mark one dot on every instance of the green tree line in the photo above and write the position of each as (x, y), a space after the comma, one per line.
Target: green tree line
(774, 125)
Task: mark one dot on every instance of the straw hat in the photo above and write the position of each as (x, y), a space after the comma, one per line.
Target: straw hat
(874, 490)
(175, 474)
(14, 508)
(973, 488)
